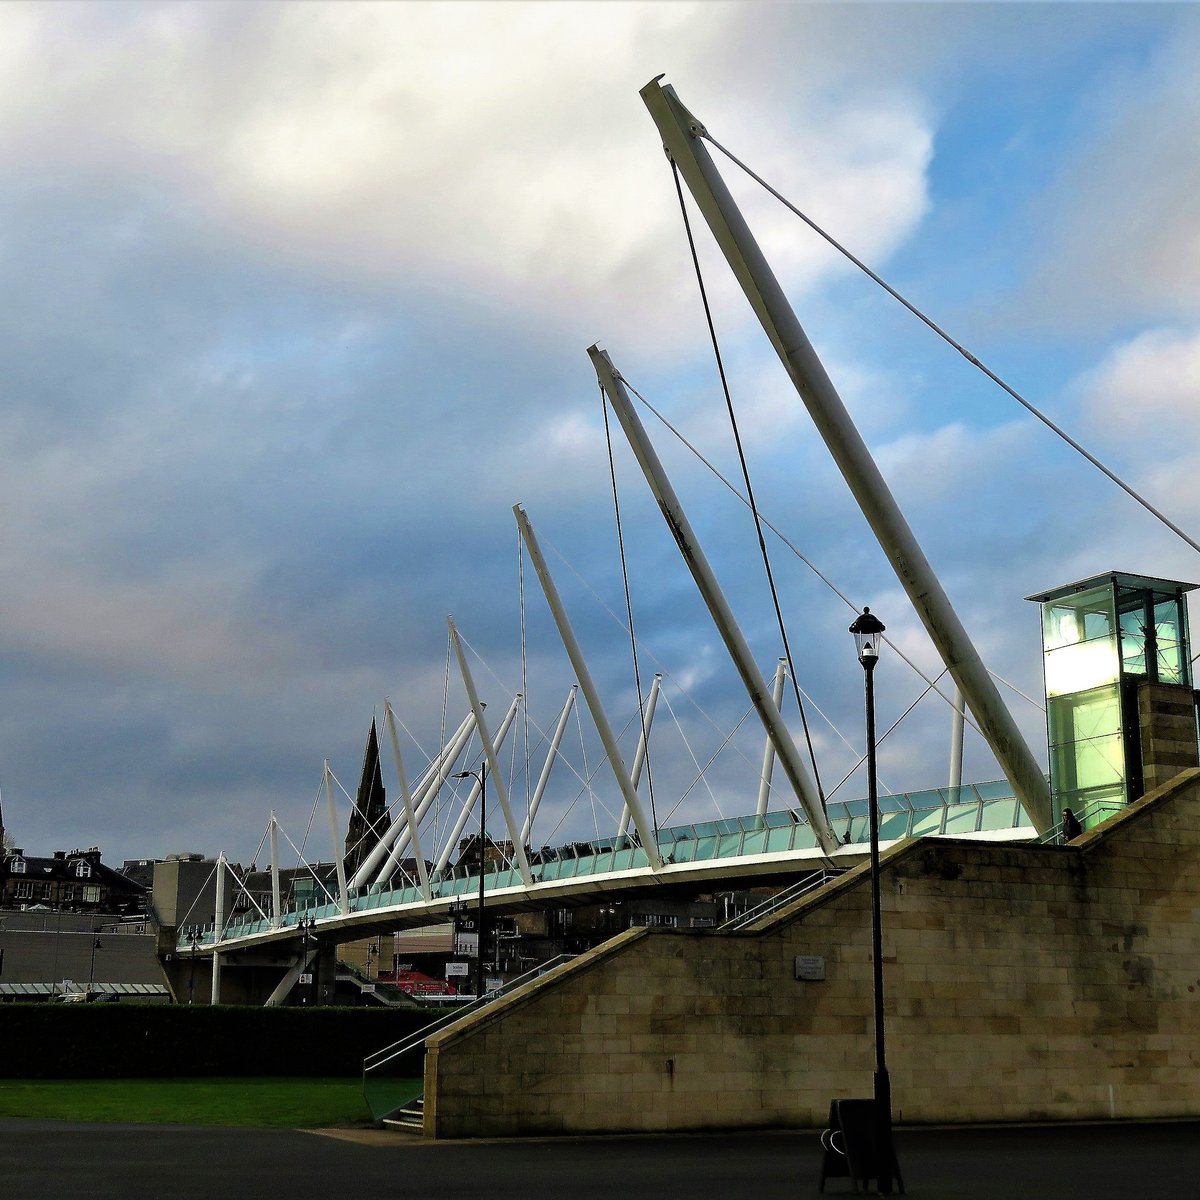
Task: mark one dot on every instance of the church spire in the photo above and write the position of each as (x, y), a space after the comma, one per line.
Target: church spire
(370, 806)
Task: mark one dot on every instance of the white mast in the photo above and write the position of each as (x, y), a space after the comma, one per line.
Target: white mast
(389, 719)
(639, 759)
(493, 764)
(649, 837)
(714, 598)
(768, 766)
(473, 794)
(544, 777)
(683, 139)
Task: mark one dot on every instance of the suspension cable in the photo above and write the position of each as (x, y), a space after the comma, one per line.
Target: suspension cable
(889, 729)
(637, 677)
(788, 543)
(737, 439)
(524, 661)
(971, 358)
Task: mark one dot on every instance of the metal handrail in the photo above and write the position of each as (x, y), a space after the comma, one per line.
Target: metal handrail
(773, 903)
(1054, 835)
(373, 1061)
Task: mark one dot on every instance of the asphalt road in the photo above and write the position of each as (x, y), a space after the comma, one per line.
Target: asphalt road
(53, 1159)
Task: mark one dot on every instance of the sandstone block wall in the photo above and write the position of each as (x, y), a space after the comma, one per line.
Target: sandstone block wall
(1022, 982)
(1167, 716)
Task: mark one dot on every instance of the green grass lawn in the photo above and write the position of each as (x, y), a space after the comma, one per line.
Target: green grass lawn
(291, 1103)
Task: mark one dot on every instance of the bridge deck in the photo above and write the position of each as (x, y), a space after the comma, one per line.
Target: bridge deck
(707, 852)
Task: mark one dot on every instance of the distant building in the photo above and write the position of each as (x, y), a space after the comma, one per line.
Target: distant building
(68, 881)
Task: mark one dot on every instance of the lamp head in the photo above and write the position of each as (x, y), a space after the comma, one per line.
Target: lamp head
(867, 629)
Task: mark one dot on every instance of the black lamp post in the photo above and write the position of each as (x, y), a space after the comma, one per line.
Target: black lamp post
(480, 777)
(92, 968)
(306, 925)
(868, 630)
(193, 939)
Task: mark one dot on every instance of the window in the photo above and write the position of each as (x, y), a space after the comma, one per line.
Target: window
(91, 895)
(69, 892)
(19, 866)
(24, 890)
(82, 871)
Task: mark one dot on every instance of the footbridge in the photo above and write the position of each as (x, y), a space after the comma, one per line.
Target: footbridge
(707, 856)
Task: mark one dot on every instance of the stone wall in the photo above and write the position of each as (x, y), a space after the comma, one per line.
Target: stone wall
(1023, 982)
(1167, 719)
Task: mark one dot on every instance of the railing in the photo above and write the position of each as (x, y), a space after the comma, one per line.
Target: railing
(385, 1089)
(973, 808)
(774, 903)
(384, 991)
(1088, 818)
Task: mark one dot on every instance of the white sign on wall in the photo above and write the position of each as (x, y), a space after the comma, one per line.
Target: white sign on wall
(810, 968)
(453, 969)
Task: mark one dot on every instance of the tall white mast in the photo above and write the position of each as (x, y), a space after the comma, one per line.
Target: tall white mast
(714, 598)
(683, 139)
(647, 834)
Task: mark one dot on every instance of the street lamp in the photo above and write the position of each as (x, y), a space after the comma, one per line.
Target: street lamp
(193, 940)
(480, 777)
(306, 925)
(92, 968)
(868, 630)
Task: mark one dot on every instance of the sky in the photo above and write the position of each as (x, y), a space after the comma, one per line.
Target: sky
(299, 297)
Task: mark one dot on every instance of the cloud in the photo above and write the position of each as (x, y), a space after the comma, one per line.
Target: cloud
(298, 307)
(408, 144)
(1116, 233)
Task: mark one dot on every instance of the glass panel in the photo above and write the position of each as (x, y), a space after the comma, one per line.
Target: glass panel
(1132, 607)
(1168, 637)
(1079, 668)
(776, 820)
(893, 825)
(926, 800)
(1096, 762)
(998, 814)
(639, 857)
(685, 851)
(927, 822)
(1079, 618)
(1079, 637)
(804, 838)
(755, 843)
(860, 829)
(780, 839)
(622, 860)
(962, 818)
(706, 848)
(729, 845)
(999, 789)
(1087, 715)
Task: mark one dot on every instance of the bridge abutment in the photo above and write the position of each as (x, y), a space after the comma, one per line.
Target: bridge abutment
(1023, 982)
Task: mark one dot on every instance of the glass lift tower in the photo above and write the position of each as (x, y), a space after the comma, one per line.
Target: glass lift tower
(1120, 709)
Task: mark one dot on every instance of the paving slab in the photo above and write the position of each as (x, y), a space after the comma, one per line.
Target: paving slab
(114, 1162)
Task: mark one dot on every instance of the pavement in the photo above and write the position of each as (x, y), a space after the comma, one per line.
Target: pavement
(1116, 1161)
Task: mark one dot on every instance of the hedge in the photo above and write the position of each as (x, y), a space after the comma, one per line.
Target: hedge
(106, 1041)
